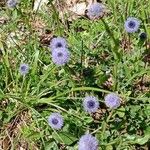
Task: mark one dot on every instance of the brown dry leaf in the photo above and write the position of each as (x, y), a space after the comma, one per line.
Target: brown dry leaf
(40, 5)
(143, 84)
(99, 114)
(125, 44)
(78, 9)
(2, 3)
(38, 25)
(12, 132)
(147, 58)
(3, 20)
(109, 83)
(45, 38)
(73, 8)
(74, 2)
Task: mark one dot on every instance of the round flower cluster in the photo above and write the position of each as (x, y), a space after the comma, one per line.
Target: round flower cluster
(24, 69)
(132, 24)
(95, 11)
(90, 104)
(60, 56)
(58, 42)
(55, 120)
(12, 3)
(112, 101)
(88, 142)
(60, 52)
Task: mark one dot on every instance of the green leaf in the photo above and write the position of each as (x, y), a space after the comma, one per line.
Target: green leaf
(34, 135)
(1, 95)
(142, 140)
(15, 14)
(64, 137)
(109, 147)
(121, 112)
(147, 131)
(35, 62)
(147, 110)
(51, 146)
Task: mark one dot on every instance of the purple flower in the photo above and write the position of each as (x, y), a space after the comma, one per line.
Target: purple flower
(55, 120)
(88, 142)
(58, 42)
(12, 3)
(24, 69)
(112, 100)
(90, 104)
(95, 10)
(132, 24)
(60, 56)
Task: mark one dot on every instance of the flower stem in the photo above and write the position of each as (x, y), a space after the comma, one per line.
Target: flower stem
(105, 124)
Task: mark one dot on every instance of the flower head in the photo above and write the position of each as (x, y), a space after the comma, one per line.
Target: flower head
(143, 36)
(12, 3)
(88, 142)
(60, 56)
(132, 24)
(24, 69)
(55, 120)
(58, 42)
(112, 100)
(95, 10)
(90, 104)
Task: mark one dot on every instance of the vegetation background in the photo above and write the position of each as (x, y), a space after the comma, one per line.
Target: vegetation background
(104, 59)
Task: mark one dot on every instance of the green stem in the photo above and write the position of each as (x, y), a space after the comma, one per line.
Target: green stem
(105, 124)
(116, 43)
(115, 76)
(45, 100)
(22, 86)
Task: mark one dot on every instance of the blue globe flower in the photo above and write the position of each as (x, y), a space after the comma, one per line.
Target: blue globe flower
(58, 42)
(11, 3)
(24, 69)
(55, 120)
(90, 104)
(132, 25)
(88, 142)
(60, 56)
(112, 100)
(95, 10)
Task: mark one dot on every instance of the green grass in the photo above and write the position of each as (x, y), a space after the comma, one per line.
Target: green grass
(26, 102)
